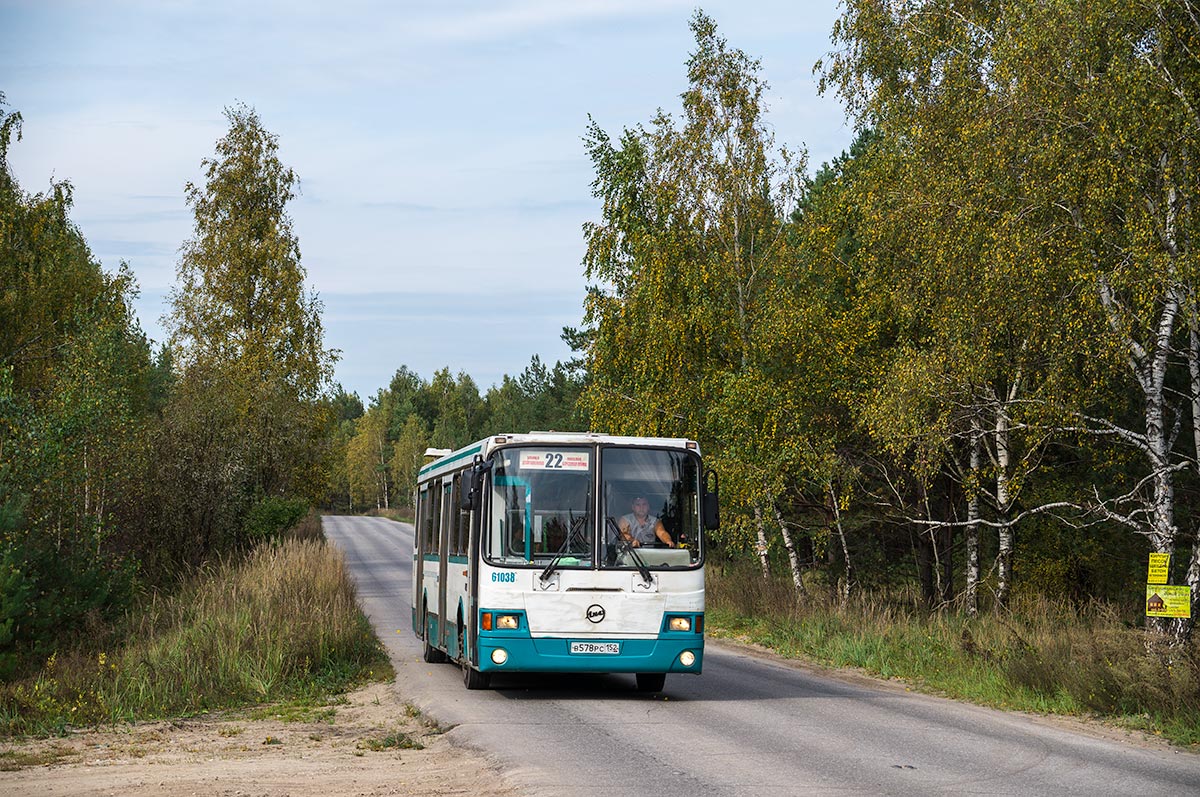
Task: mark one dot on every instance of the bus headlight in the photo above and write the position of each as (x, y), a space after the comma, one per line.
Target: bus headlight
(687, 658)
(499, 656)
(680, 624)
(508, 621)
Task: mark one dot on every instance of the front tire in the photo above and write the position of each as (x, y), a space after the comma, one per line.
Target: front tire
(472, 678)
(651, 681)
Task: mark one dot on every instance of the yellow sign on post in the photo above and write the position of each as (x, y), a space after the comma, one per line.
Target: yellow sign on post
(1160, 564)
(1168, 601)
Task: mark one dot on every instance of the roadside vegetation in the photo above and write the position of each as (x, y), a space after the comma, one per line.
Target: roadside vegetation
(950, 380)
(159, 555)
(280, 624)
(1086, 660)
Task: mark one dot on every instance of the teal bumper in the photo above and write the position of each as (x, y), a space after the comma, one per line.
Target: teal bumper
(553, 654)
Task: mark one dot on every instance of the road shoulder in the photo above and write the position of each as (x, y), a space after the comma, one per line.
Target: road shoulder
(373, 743)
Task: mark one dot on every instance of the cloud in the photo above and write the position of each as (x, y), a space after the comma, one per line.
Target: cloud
(130, 249)
(504, 20)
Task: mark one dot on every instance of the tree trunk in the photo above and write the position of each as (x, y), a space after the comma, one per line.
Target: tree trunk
(925, 556)
(841, 533)
(793, 559)
(975, 479)
(925, 568)
(1184, 625)
(762, 541)
(1003, 506)
(946, 558)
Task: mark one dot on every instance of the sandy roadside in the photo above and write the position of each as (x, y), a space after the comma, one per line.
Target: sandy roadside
(356, 748)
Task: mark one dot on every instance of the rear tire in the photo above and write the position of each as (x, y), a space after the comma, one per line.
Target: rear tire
(651, 681)
(431, 655)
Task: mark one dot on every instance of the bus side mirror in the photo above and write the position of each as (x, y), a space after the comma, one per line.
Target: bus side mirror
(710, 501)
(470, 485)
(471, 481)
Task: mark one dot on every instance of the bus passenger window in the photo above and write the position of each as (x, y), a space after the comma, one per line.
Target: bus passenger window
(464, 523)
(435, 519)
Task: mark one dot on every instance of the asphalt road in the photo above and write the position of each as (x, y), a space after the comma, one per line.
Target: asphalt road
(748, 725)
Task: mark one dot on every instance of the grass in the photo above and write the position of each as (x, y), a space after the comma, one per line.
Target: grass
(432, 726)
(397, 740)
(281, 624)
(1040, 657)
(14, 760)
(399, 515)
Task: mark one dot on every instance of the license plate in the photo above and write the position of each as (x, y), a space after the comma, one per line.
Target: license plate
(596, 647)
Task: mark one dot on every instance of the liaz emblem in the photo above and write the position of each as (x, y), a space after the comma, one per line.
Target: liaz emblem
(595, 613)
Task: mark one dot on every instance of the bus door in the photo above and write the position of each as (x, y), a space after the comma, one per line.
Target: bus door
(420, 545)
(473, 546)
(449, 516)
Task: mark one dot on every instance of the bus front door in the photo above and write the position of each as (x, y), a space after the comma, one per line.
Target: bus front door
(449, 516)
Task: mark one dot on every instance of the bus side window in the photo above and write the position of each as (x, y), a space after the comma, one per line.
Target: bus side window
(464, 524)
(452, 516)
(435, 519)
(423, 519)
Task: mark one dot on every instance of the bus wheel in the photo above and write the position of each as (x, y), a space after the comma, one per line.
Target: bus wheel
(472, 678)
(651, 681)
(431, 654)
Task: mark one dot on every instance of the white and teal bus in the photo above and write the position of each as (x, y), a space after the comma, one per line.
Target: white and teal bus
(564, 552)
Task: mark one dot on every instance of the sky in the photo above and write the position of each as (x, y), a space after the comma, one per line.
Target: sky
(444, 182)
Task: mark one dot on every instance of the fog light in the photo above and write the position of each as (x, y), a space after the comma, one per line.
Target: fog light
(680, 624)
(500, 655)
(506, 621)
(687, 658)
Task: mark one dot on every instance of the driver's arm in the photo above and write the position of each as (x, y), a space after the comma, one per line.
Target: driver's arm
(661, 532)
(626, 532)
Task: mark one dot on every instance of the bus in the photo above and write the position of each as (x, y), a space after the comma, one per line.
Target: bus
(565, 553)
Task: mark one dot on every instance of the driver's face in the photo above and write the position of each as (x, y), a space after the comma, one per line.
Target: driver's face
(640, 507)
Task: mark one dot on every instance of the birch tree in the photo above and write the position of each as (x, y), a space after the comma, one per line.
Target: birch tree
(690, 237)
(240, 309)
(688, 256)
(368, 457)
(1083, 144)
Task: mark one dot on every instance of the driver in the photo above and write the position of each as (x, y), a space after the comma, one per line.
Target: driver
(640, 528)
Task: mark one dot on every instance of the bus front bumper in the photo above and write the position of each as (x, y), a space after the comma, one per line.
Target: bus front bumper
(669, 652)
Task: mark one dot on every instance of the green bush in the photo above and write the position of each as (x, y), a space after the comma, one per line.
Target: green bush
(52, 592)
(268, 519)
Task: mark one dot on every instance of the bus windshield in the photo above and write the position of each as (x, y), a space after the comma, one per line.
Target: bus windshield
(651, 507)
(542, 508)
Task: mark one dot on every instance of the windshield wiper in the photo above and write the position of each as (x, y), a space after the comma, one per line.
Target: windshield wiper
(626, 545)
(563, 550)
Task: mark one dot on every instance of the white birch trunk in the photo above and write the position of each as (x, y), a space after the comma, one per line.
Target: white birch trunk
(1150, 369)
(762, 541)
(793, 559)
(971, 591)
(841, 533)
(1004, 505)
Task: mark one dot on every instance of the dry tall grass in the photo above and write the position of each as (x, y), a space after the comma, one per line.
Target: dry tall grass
(280, 623)
(1035, 656)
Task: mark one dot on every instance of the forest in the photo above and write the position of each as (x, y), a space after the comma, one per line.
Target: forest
(963, 356)
(125, 466)
(961, 360)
